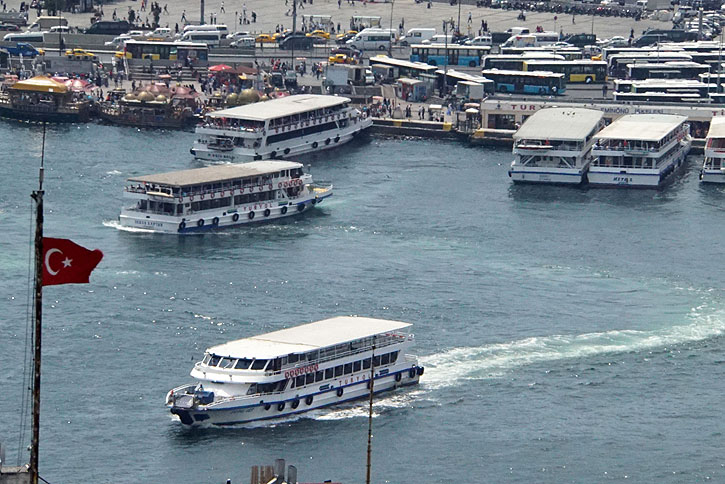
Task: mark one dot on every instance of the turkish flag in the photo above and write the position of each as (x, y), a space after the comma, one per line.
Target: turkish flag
(65, 262)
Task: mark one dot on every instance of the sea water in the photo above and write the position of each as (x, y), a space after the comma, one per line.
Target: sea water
(568, 334)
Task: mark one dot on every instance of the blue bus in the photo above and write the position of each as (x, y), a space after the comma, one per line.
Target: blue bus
(527, 82)
(452, 55)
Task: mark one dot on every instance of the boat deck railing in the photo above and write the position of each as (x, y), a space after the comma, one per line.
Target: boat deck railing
(277, 128)
(222, 192)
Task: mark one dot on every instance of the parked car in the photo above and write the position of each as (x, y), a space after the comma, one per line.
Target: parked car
(106, 27)
(80, 54)
(297, 41)
(479, 40)
(264, 39)
(238, 35)
(348, 51)
(9, 28)
(341, 59)
(319, 34)
(342, 38)
(244, 42)
(118, 41)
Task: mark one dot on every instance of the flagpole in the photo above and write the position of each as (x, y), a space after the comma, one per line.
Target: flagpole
(370, 415)
(38, 197)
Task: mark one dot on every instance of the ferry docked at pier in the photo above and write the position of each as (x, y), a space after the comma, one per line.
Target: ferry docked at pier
(295, 370)
(640, 150)
(713, 166)
(220, 196)
(554, 146)
(279, 128)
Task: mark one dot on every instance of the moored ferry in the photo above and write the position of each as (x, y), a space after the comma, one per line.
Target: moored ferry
(554, 146)
(283, 127)
(41, 98)
(220, 196)
(713, 166)
(295, 370)
(640, 150)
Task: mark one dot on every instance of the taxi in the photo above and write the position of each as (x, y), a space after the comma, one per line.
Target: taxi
(80, 54)
(265, 39)
(341, 59)
(320, 34)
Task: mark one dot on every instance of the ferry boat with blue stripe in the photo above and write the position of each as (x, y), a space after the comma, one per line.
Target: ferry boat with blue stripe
(640, 150)
(220, 196)
(713, 166)
(296, 370)
(554, 146)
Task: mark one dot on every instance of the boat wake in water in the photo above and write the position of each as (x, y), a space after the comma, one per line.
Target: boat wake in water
(458, 365)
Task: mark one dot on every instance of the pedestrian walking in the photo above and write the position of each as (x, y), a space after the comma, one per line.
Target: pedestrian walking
(183, 17)
(222, 8)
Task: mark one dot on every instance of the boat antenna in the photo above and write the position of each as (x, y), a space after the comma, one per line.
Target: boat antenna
(370, 414)
(38, 198)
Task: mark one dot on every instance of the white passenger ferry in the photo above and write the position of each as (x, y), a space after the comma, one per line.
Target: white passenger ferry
(295, 370)
(640, 150)
(554, 145)
(220, 196)
(713, 166)
(280, 128)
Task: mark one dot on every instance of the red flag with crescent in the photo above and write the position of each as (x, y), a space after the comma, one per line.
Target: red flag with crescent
(65, 262)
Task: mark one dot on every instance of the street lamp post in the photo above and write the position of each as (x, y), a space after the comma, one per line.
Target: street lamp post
(459, 17)
(390, 47)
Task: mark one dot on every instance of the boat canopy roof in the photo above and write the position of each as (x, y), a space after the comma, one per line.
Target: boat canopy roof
(40, 84)
(717, 127)
(568, 124)
(643, 127)
(216, 174)
(307, 337)
(280, 107)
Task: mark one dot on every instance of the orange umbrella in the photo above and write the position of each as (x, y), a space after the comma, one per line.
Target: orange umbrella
(221, 68)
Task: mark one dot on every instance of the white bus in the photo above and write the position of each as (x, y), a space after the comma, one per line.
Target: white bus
(210, 38)
(206, 28)
(372, 39)
(31, 37)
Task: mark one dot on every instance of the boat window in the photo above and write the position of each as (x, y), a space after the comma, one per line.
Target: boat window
(284, 360)
(393, 356)
(348, 368)
(319, 375)
(300, 380)
(385, 359)
(328, 373)
(293, 383)
(366, 364)
(243, 364)
(376, 361)
(252, 389)
(214, 361)
(356, 366)
(227, 363)
(206, 359)
(312, 356)
(310, 378)
(282, 385)
(293, 358)
(338, 370)
(276, 364)
(259, 364)
(327, 353)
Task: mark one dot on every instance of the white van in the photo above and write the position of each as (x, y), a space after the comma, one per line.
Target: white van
(30, 37)
(518, 31)
(521, 41)
(161, 32)
(45, 23)
(372, 39)
(417, 36)
(439, 39)
(208, 37)
(206, 28)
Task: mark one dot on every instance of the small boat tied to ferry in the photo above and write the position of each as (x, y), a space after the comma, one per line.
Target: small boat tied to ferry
(713, 167)
(554, 146)
(640, 150)
(279, 128)
(295, 370)
(220, 196)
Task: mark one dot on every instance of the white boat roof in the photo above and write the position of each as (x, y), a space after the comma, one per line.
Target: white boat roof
(216, 173)
(306, 337)
(717, 127)
(568, 124)
(280, 107)
(644, 127)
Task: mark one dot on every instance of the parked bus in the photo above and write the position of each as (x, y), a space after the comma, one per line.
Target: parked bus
(174, 51)
(659, 97)
(669, 86)
(569, 53)
(515, 62)
(453, 55)
(210, 38)
(527, 82)
(453, 77)
(586, 71)
(667, 70)
(30, 37)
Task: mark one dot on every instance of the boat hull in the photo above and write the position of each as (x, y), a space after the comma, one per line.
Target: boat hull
(205, 221)
(268, 407)
(80, 116)
(293, 148)
(712, 176)
(542, 175)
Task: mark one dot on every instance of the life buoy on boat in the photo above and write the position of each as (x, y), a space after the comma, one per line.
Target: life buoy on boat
(284, 210)
(273, 154)
(267, 406)
(280, 407)
(235, 217)
(267, 212)
(340, 391)
(201, 196)
(286, 151)
(411, 373)
(251, 215)
(308, 400)
(181, 199)
(200, 223)
(212, 195)
(337, 138)
(295, 403)
(315, 144)
(398, 377)
(286, 184)
(279, 185)
(191, 197)
(215, 221)
(327, 141)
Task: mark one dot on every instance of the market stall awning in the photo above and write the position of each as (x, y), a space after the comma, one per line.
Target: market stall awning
(40, 84)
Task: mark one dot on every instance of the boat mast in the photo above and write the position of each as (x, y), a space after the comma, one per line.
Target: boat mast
(370, 414)
(38, 198)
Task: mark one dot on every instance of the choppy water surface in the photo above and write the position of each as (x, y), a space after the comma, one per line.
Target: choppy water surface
(569, 335)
